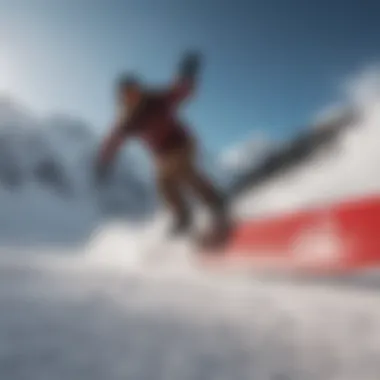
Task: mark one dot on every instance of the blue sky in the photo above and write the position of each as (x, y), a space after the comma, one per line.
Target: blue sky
(270, 65)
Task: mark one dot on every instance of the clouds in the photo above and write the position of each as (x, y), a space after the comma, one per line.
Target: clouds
(363, 89)
(244, 154)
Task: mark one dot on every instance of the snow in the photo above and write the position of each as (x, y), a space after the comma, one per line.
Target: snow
(53, 199)
(65, 319)
(111, 311)
(350, 170)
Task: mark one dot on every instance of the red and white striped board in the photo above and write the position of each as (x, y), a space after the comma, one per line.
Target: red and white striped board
(342, 237)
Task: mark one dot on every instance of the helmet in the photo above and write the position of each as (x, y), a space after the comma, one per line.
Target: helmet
(127, 81)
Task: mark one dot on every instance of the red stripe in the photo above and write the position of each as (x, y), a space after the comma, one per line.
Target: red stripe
(340, 237)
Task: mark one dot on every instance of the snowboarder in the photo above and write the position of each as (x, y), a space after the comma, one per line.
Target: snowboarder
(150, 115)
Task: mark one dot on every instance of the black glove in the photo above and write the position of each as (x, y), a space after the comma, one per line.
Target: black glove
(190, 64)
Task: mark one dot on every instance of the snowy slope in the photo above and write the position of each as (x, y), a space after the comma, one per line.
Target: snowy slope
(62, 319)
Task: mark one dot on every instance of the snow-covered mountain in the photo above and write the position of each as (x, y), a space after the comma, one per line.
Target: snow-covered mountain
(47, 186)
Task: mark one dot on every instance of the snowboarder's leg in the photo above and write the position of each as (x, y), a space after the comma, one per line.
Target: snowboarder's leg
(172, 192)
(212, 198)
(177, 169)
(207, 192)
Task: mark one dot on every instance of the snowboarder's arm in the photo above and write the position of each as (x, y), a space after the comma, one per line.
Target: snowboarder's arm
(110, 147)
(112, 144)
(186, 80)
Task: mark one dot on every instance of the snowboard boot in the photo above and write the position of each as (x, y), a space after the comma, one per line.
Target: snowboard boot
(221, 226)
(181, 226)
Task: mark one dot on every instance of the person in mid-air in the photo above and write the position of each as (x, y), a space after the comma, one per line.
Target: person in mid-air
(150, 115)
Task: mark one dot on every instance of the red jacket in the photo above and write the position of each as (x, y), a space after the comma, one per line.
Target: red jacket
(154, 121)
